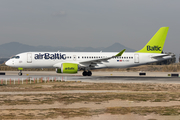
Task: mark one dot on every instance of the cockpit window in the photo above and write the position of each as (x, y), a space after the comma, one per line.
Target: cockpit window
(16, 57)
(13, 57)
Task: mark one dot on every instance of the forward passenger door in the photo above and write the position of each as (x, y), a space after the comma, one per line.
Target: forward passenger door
(29, 57)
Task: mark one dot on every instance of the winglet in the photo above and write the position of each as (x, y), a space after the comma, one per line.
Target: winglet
(120, 53)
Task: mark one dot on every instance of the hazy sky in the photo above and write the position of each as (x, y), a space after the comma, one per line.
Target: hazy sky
(94, 23)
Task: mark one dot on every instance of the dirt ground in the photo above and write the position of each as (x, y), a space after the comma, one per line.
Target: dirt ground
(90, 101)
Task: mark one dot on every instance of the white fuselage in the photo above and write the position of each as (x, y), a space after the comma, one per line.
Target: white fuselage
(54, 59)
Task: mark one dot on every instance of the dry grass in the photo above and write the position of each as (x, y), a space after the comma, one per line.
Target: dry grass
(48, 113)
(173, 110)
(72, 85)
(86, 97)
(131, 92)
(79, 112)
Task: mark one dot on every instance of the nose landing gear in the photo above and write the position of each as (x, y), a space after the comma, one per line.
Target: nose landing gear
(20, 73)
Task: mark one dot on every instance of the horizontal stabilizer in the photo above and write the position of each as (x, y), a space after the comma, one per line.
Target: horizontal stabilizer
(160, 56)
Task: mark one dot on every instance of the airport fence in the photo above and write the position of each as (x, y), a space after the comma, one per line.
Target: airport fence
(32, 80)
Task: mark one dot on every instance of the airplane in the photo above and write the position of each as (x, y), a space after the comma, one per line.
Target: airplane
(72, 62)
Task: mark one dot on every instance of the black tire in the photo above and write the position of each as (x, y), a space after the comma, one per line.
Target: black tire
(84, 73)
(89, 73)
(20, 74)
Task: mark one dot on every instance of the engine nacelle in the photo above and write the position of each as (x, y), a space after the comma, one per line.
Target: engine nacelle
(67, 68)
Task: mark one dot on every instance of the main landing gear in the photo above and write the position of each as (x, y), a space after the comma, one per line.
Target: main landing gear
(87, 73)
(20, 73)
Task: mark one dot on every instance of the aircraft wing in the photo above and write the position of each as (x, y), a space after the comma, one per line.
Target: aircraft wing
(96, 61)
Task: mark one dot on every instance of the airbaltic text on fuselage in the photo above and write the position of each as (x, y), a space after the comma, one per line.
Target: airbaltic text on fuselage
(51, 56)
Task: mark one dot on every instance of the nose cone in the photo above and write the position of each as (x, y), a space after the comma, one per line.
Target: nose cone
(8, 63)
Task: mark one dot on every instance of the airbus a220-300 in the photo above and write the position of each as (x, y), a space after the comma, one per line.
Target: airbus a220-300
(72, 62)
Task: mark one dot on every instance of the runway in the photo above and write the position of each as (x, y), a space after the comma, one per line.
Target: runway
(98, 77)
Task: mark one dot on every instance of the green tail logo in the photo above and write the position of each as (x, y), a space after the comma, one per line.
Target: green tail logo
(153, 48)
(156, 44)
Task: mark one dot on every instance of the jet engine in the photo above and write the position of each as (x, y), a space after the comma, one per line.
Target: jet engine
(67, 68)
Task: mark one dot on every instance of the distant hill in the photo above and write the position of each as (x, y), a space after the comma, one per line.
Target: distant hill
(117, 47)
(12, 48)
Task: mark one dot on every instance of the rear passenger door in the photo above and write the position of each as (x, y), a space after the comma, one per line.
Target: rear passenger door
(136, 58)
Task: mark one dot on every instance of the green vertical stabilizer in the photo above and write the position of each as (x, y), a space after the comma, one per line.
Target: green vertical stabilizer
(156, 44)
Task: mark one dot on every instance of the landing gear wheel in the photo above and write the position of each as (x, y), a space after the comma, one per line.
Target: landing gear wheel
(89, 73)
(85, 73)
(20, 73)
